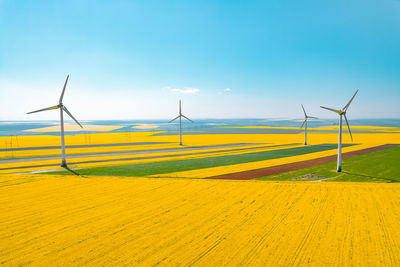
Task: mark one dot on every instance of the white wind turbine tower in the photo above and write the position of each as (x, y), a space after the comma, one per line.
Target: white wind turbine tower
(180, 122)
(306, 117)
(341, 113)
(62, 109)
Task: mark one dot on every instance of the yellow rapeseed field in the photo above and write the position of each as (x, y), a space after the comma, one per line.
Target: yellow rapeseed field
(362, 140)
(80, 139)
(76, 128)
(175, 155)
(73, 221)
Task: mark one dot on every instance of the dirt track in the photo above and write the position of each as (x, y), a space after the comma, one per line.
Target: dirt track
(248, 175)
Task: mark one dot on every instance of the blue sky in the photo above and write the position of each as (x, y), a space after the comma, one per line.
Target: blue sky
(136, 59)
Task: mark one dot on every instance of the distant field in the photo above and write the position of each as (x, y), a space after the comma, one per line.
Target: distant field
(68, 220)
(381, 166)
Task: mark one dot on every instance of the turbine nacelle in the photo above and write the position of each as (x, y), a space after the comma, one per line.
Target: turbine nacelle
(306, 117)
(180, 114)
(342, 112)
(60, 105)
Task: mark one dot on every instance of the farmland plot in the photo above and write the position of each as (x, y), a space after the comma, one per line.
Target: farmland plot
(65, 220)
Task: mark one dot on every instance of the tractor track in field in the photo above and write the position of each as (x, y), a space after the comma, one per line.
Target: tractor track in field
(262, 172)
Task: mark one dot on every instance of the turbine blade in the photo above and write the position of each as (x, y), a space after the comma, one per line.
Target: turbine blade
(44, 109)
(174, 119)
(65, 85)
(348, 104)
(311, 117)
(305, 114)
(69, 114)
(180, 108)
(348, 126)
(303, 124)
(187, 118)
(331, 109)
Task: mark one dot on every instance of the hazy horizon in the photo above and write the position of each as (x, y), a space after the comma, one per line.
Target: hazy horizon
(202, 119)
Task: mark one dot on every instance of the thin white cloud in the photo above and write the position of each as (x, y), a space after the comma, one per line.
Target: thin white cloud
(188, 90)
(225, 91)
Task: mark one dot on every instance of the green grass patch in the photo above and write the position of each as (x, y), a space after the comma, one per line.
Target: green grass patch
(146, 169)
(379, 166)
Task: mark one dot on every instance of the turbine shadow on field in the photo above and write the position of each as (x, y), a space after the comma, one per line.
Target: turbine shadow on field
(73, 172)
(369, 176)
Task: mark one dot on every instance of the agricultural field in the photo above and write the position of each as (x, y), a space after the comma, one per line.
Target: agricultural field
(252, 199)
(153, 154)
(380, 166)
(58, 220)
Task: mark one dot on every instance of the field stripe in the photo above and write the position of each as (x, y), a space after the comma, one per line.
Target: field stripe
(262, 172)
(82, 146)
(249, 149)
(234, 168)
(206, 161)
(132, 152)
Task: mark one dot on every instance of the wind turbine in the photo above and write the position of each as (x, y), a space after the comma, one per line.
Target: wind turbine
(180, 122)
(342, 113)
(62, 109)
(305, 124)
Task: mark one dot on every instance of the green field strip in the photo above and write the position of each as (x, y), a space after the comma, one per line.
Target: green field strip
(146, 169)
(379, 166)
